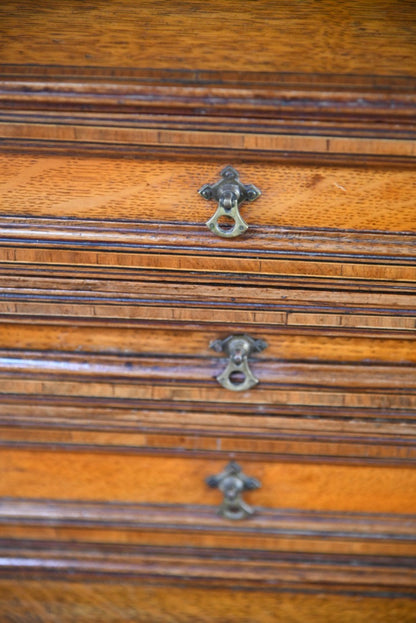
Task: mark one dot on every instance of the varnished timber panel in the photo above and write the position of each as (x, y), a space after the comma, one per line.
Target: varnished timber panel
(280, 303)
(278, 531)
(197, 566)
(344, 445)
(321, 442)
(267, 103)
(116, 95)
(356, 391)
(112, 476)
(208, 104)
(112, 289)
(166, 190)
(334, 320)
(185, 549)
(194, 342)
(114, 602)
(282, 117)
(21, 259)
(138, 378)
(28, 135)
(315, 38)
(280, 430)
(360, 368)
(274, 243)
(65, 602)
(229, 421)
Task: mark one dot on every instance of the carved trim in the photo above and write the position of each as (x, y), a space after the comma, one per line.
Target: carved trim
(283, 115)
(193, 518)
(180, 237)
(263, 95)
(49, 291)
(243, 566)
(398, 379)
(305, 410)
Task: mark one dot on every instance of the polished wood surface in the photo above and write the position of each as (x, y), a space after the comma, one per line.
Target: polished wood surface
(112, 116)
(313, 81)
(264, 37)
(174, 525)
(191, 341)
(29, 135)
(116, 601)
(352, 198)
(156, 479)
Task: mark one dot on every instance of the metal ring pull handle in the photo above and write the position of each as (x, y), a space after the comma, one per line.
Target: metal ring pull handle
(232, 482)
(238, 376)
(230, 194)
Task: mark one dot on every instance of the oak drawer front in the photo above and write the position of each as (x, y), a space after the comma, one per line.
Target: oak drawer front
(74, 508)
(176, 478)
(328, 529)
(360, 198)
(345, 393)
(136, 213)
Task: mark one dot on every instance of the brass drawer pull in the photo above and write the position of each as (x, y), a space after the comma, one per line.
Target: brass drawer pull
(238, 376)
(230, 194)
(232, 482)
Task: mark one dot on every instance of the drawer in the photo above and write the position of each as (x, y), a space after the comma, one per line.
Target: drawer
(139, 213)
(155, 190)
(163, 478)
(144, 205)
(164, 500)
(343, 394)
(105, 514)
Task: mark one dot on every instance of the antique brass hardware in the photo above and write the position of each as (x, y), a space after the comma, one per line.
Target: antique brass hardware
(238, 376)
(232, 482)
(230, 194)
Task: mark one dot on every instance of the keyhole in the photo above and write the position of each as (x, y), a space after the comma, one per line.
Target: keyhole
(237, 377)
(225, 223)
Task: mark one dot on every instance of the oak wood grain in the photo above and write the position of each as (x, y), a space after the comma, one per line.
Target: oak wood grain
(280, 116)
(235, 421)
(115, 394)
(196, 566)
(346, 447)
(368, 38)
(283, 242)
(111, 476)
(201, 372)
(180, 379)
(286, 297)
(34, 137)
(258, 270)
(111, 118)
(350, 309)
(333, 321)
(267, 103)
(65, 601)
(166, 190)
(194, 341)
(355, 535)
